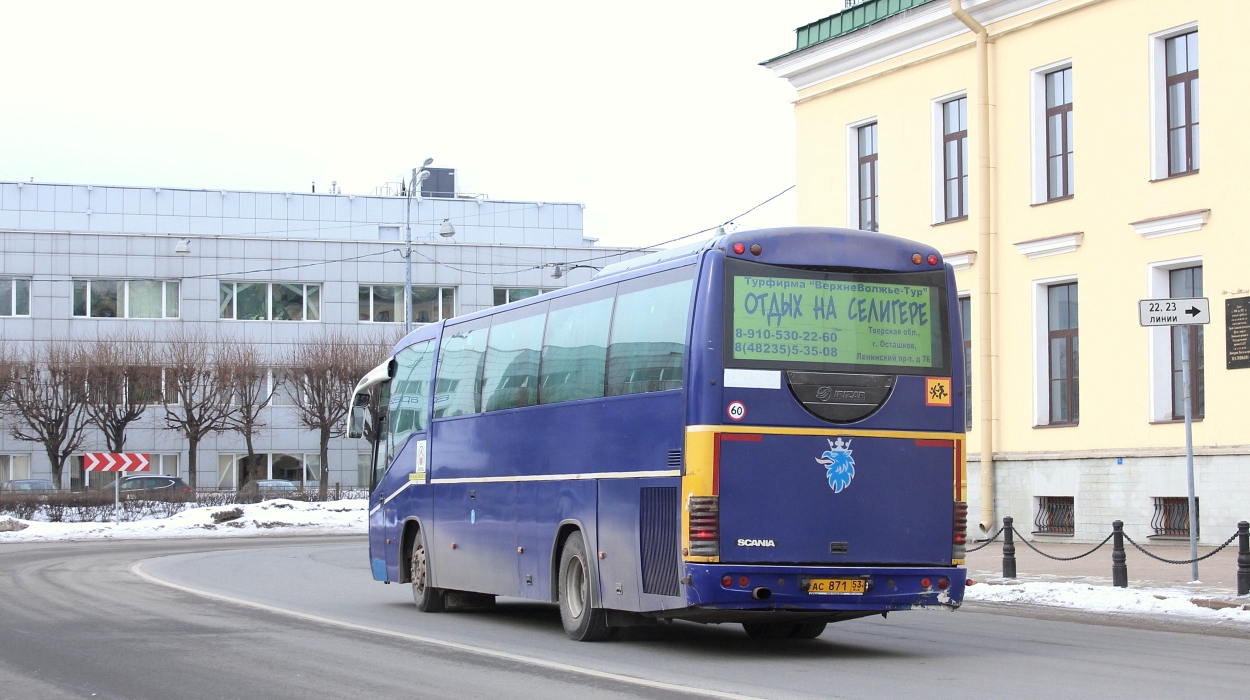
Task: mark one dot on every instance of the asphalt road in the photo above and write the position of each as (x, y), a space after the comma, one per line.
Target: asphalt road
(301, 618)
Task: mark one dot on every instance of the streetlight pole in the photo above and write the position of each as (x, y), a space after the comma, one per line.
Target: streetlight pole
(417, 178)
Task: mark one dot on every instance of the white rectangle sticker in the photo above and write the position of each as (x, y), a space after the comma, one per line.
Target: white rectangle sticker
(753, 378)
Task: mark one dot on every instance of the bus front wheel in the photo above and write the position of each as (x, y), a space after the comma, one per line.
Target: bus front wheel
(427, 597)
(582, 622)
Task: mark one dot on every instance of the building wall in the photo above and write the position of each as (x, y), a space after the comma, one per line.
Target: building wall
(55, 234)
(894, 71)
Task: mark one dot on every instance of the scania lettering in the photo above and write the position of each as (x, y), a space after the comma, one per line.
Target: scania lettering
(618, 448)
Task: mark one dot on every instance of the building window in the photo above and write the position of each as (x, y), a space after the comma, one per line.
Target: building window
(1059, 176)
(1186, 283)
(126, 298)
(1061, 321)
(14, 297)
(1055, 515)
(264, 301)
(14, 467)
(965, 322)
(1171, 516)
(165, 465)
(385, 303)
(955, 158)
(866, 176)
(234, 470)
(505, 295)
(1181, 86)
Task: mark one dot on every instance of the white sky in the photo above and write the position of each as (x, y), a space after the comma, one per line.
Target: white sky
(654, 114)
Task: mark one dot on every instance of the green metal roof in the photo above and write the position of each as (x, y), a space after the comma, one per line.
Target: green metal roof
(851, 19)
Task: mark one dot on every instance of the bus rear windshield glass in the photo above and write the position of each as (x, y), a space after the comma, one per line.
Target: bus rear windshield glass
(868, 322)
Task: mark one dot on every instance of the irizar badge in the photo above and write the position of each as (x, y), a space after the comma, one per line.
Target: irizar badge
(839, 467)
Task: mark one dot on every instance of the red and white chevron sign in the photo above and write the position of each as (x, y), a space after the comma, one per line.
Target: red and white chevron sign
(114, 462)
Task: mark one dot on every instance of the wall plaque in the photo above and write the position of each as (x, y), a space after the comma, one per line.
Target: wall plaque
(1237, 329)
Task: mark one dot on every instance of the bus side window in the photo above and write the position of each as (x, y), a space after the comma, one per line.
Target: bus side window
(458, 387)
(575, 349)
(649, 333)
(510, 371)
(409, 395)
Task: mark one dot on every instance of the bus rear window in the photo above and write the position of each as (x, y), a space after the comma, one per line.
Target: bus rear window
(884, 322)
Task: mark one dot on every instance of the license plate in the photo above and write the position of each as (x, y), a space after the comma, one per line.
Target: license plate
(836, 586)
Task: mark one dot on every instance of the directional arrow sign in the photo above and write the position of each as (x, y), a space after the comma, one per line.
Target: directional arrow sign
(1174, 312)
(115, 462)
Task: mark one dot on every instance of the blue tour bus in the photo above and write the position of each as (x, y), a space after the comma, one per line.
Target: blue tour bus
(765, 428)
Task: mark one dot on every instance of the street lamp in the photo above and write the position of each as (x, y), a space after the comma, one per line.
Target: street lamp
(417, 178)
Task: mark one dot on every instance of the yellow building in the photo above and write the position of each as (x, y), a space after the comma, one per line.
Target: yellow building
(1052, 150)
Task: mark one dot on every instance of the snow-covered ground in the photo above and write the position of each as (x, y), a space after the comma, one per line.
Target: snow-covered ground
(279, 516)
(1108, 599)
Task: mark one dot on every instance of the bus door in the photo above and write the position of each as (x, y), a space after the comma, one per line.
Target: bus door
(406, 447)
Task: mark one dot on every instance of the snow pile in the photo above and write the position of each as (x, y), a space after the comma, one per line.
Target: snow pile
(1108, 599)
(279, 516)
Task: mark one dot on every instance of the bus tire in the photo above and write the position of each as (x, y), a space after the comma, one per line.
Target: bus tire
(808, 630)
(582, 622)
(770, 630)
(427, 598)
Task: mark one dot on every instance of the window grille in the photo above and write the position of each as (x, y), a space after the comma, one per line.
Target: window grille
(1171, 516)
(1055, 515)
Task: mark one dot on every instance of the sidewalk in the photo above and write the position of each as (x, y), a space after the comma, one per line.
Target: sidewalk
(1218, 575)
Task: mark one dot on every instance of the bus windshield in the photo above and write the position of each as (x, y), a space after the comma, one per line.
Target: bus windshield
(796, 318)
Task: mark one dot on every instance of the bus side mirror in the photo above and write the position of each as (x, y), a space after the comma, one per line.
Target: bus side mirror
(356, 427)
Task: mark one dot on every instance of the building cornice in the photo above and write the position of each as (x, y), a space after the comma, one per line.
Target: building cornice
(907, 31)
(1051, 245)
(1184, 222)
(1113, 453)
(962, 260)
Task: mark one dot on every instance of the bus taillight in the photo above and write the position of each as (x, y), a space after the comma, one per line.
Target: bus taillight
(959, 534)
(704, 526)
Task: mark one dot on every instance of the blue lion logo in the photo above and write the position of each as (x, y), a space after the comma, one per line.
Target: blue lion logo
(839, 466)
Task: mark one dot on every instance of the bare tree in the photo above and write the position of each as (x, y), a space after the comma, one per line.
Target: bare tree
(195, 400)
(47, 395)
(322, 374)
(245, 375)
(122, 381)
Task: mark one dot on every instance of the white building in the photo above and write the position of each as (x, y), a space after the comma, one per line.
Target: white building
(81, 262)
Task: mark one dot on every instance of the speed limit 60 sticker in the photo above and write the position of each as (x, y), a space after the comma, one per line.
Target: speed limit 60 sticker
(736, 410)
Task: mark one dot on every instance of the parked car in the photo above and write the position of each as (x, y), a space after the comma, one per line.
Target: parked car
(262, 489)
(163, 487)
(26, 485)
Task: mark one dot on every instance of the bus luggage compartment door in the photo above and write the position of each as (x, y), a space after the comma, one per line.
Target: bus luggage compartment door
(830, 499)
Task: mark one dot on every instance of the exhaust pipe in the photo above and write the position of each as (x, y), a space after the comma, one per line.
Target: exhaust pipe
(761, 593)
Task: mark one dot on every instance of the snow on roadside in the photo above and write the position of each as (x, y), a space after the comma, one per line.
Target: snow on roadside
(1109, 599)
(279, 516)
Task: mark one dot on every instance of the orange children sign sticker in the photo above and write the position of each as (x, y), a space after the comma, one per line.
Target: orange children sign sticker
(937, 391)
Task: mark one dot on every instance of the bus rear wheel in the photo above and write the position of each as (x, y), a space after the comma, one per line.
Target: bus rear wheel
(427, 598)
(582, 622)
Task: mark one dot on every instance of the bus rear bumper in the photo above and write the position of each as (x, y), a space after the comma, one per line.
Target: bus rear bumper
(726, 591)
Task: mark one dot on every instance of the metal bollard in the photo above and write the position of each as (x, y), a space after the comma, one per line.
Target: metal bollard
(1009, 549)
(1119, 566)
(1243, 558)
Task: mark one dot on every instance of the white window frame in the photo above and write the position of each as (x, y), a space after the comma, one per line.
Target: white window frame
(9, 459)
(234, 301)
(509, 290)
(1037, 129)
(1041, 347)
(11, 312)
(160, 464)
(236, 457)
(124, 302)
(1159, 98)
(852, 171)
(1159, 348)
(439, 287)
(937, 156)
